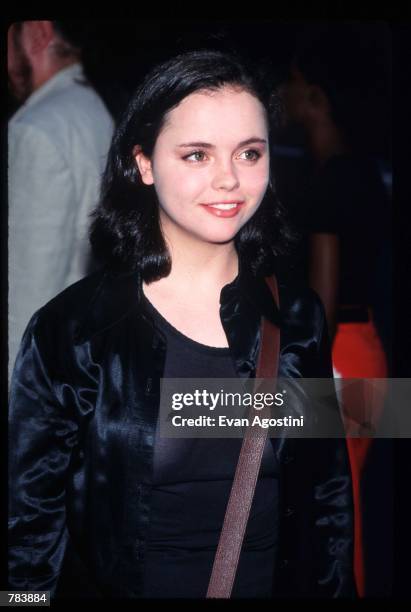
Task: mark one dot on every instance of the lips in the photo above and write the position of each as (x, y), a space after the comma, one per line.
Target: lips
(223, 209)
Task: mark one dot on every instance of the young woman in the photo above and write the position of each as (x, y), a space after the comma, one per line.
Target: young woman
(187, 228)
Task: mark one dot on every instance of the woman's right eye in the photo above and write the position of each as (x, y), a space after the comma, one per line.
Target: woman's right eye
(195, 154)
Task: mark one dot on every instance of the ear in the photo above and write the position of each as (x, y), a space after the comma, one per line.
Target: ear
(38, 35)
(144, 166)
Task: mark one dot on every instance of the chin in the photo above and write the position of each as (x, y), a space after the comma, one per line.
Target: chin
(219, 237)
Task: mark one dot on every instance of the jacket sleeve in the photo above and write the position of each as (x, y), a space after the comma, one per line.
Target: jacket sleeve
(42, 224)
(43, 429)
(316, 533)
(328, 471)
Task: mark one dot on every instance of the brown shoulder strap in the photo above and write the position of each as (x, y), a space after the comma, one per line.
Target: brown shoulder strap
(245, 479)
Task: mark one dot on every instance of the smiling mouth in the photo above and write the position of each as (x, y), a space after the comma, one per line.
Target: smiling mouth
(224, 206)
(223, 209)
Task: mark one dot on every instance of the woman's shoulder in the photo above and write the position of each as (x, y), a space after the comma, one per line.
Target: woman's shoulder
(302, 312)
(91, 304)
(298, 301)
(57, 323)
(304, 333)
(48, 342)
(73, 301)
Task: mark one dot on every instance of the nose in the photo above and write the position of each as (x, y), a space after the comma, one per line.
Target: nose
(225, 176)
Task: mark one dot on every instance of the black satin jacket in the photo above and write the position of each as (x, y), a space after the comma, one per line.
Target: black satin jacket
(84, 402)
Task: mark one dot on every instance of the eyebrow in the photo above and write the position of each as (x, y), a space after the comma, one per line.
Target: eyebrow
(207, 145)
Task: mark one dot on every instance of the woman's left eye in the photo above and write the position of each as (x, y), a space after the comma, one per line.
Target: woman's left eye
(252, 154)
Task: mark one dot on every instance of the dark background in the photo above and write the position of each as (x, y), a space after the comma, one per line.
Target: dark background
(118, 52)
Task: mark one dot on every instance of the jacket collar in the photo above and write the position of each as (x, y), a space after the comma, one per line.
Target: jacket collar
(62, 79)
(242, 304)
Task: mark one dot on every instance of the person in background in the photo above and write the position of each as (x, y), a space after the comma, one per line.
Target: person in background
(347, 222)
(58, 141)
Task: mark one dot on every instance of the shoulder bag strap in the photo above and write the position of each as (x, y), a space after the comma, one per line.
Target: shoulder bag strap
(248, 466)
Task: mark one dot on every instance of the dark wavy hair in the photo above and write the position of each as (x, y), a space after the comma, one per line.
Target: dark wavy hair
(125, 233)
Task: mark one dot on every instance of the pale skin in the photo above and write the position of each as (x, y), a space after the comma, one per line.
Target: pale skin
(222, 169)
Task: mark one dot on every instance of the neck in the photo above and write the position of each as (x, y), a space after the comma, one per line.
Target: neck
(200, 268)
(48, 71)
(325, 140)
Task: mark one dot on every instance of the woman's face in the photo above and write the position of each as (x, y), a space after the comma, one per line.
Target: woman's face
(210, 165)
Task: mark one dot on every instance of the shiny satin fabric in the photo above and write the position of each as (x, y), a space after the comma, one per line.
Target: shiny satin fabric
(84, 402)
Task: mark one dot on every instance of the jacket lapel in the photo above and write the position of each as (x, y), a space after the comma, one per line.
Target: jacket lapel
(243, 303)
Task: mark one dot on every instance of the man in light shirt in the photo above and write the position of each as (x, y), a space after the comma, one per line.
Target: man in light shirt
(57, 141)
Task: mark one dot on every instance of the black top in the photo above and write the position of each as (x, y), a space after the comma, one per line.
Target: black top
(348, 198)
(82, 436)
(191, 484)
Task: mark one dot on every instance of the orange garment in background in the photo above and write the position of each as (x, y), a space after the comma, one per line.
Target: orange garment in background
(358, 353)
